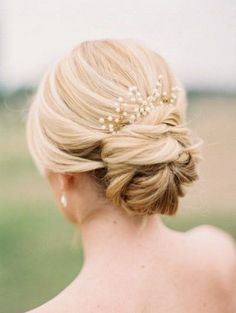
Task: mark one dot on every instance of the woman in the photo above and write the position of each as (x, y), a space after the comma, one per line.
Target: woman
(107, 128)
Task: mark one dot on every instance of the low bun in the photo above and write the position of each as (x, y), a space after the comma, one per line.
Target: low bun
(149, 165)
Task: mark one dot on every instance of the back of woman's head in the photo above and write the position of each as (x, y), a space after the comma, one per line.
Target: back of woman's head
(145, 157)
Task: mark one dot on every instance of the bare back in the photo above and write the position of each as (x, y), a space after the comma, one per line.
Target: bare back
(191, 272)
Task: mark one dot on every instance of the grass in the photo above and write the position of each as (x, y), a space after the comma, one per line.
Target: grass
(39, 253)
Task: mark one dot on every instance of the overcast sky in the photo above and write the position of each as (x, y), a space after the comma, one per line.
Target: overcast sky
(197, 38)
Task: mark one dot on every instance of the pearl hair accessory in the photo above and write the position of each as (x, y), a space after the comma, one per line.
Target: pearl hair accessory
(142, 106)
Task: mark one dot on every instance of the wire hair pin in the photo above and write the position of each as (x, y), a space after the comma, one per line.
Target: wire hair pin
(113, 123)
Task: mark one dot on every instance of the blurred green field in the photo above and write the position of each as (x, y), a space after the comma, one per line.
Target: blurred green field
(40, 253)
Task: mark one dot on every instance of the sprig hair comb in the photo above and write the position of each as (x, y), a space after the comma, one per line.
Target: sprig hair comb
(113, 123)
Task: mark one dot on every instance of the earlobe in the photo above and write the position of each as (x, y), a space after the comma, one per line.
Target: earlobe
(66, 196)
(63, 187)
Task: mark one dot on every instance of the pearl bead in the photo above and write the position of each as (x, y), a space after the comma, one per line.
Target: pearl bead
(117, 109)
(116, 120)
(125, 113)
(110, 118)
(164, 93)
(176, 88)
(160, 77)
(101, 120)
(103, 127)
(132, 88)
(141, 110)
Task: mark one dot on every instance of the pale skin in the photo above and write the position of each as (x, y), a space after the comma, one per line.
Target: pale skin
(134, 265)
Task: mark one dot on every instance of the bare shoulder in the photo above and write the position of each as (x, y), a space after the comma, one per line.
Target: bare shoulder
(218, 250)
(216, 241)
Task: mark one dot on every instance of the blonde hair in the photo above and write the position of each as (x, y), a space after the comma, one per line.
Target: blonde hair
(145, 166)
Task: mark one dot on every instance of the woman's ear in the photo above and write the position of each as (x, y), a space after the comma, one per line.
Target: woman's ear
(67, 204)
(76, 194)
(59, 181)
(66, 181)
(62, 185)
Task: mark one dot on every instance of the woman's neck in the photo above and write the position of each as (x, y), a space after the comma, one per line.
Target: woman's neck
(113, 233)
